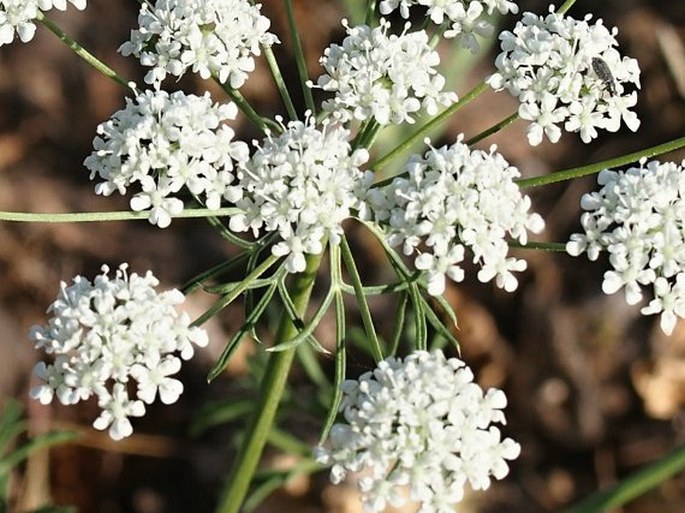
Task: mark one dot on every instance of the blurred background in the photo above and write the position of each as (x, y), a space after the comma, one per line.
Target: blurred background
(596, 390)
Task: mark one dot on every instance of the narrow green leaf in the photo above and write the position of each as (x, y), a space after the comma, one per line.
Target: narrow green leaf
(228, 234)
(437, 324)
(308, 328)
(400, 317)
(364, 310)
(219, 413)
(420, 328)
(312, 367)
(11, 424)
(340, 365)
(447, 308)
(263, 490)
(214, 272)
(274, 479)
(634, 485)
(234, 293)
(288, 443)
(376, 290)
(33, 445)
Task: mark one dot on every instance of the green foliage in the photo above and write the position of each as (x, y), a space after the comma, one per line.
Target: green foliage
(14, 451)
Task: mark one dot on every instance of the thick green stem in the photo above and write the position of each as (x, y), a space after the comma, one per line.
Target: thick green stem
(270, 392)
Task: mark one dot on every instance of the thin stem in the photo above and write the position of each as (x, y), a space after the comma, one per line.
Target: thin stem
(89, 217)
(428, 126)
(238, 289)
(545, 246)
(634, 485)
(83, 53)
(371, 134)
(362, 134)
(280, 83)
(270, 392)
(246, 108)
(299, 58)
(576, 172)
(493, 129)
(367, 320)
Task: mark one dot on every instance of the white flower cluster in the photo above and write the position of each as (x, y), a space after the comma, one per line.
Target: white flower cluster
(105, 333)
(420, 422)
(211, 37)
(567, 72)
(303, 184)
(387, 77)
(454, 197)
(18, 16)
(164, 142)
(466, 19)
(638, 216)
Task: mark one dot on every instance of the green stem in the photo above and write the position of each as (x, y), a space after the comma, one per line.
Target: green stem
(493, 129)
(515, 116)
(270, 392)
(577, 172)
(428, 126)
(89, 217)
(246, 108)
(370, 12)
(280, 83)
(545, 246)
(83, 53)
(356, 280)
(299, 58)
(566, 6)
(238, 289)
(634, 485)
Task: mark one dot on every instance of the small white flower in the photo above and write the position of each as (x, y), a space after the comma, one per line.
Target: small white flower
(387, 77)
(161, 143)
(116, 409)
(104, 333)
(637, 217)
(210, 37)
(152, 377)
(423, 424)
(18, 16)
(302, 183)
(466, 18)
(46, 5)
(568, 73)
(452, 198)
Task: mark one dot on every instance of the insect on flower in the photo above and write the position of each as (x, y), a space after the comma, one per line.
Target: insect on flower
(601, 69)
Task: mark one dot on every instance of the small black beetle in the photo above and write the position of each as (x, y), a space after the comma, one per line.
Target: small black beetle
(601, 69)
